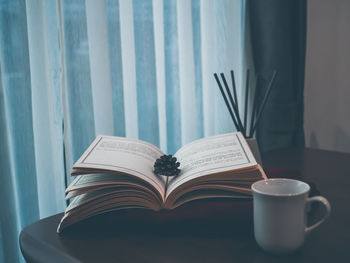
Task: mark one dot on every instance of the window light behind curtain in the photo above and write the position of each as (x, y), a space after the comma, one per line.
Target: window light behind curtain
(73, 69)
(144, 69)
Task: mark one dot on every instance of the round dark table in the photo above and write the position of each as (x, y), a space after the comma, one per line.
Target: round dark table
(93, 242)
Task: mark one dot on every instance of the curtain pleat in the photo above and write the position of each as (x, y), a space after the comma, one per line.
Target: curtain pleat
(171, 56)
(187, 85)
(158, 22)
(96, 17)
(47, 111)
(146, 79)
(207, 57)
(129, 68)
(197, 57)
(18, 182)
(116, 70)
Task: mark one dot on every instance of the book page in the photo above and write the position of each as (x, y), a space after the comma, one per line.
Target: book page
(118, 154)
(212, 155)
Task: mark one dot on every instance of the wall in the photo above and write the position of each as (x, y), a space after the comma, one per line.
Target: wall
(327, 78)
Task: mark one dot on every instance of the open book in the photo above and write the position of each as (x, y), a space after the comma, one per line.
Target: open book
(117, 173)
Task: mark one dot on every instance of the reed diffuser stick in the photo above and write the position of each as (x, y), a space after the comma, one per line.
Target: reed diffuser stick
(267, 93)
(255, 102)
(245, 103)
(226, 101)
(235, 91)
(233, 104)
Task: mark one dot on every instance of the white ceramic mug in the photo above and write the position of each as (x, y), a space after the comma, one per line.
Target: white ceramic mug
(280, 214)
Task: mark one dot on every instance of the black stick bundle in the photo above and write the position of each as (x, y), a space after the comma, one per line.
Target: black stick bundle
(233, 107)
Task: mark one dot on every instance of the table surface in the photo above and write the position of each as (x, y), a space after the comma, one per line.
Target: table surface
(330, 171)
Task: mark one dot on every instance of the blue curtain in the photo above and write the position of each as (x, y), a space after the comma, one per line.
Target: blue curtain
(70, 70)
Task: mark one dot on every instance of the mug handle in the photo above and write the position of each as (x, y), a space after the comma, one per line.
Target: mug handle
(325, 202)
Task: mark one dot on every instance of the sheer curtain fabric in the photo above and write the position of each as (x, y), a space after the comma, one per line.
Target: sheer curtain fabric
(70, 70)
